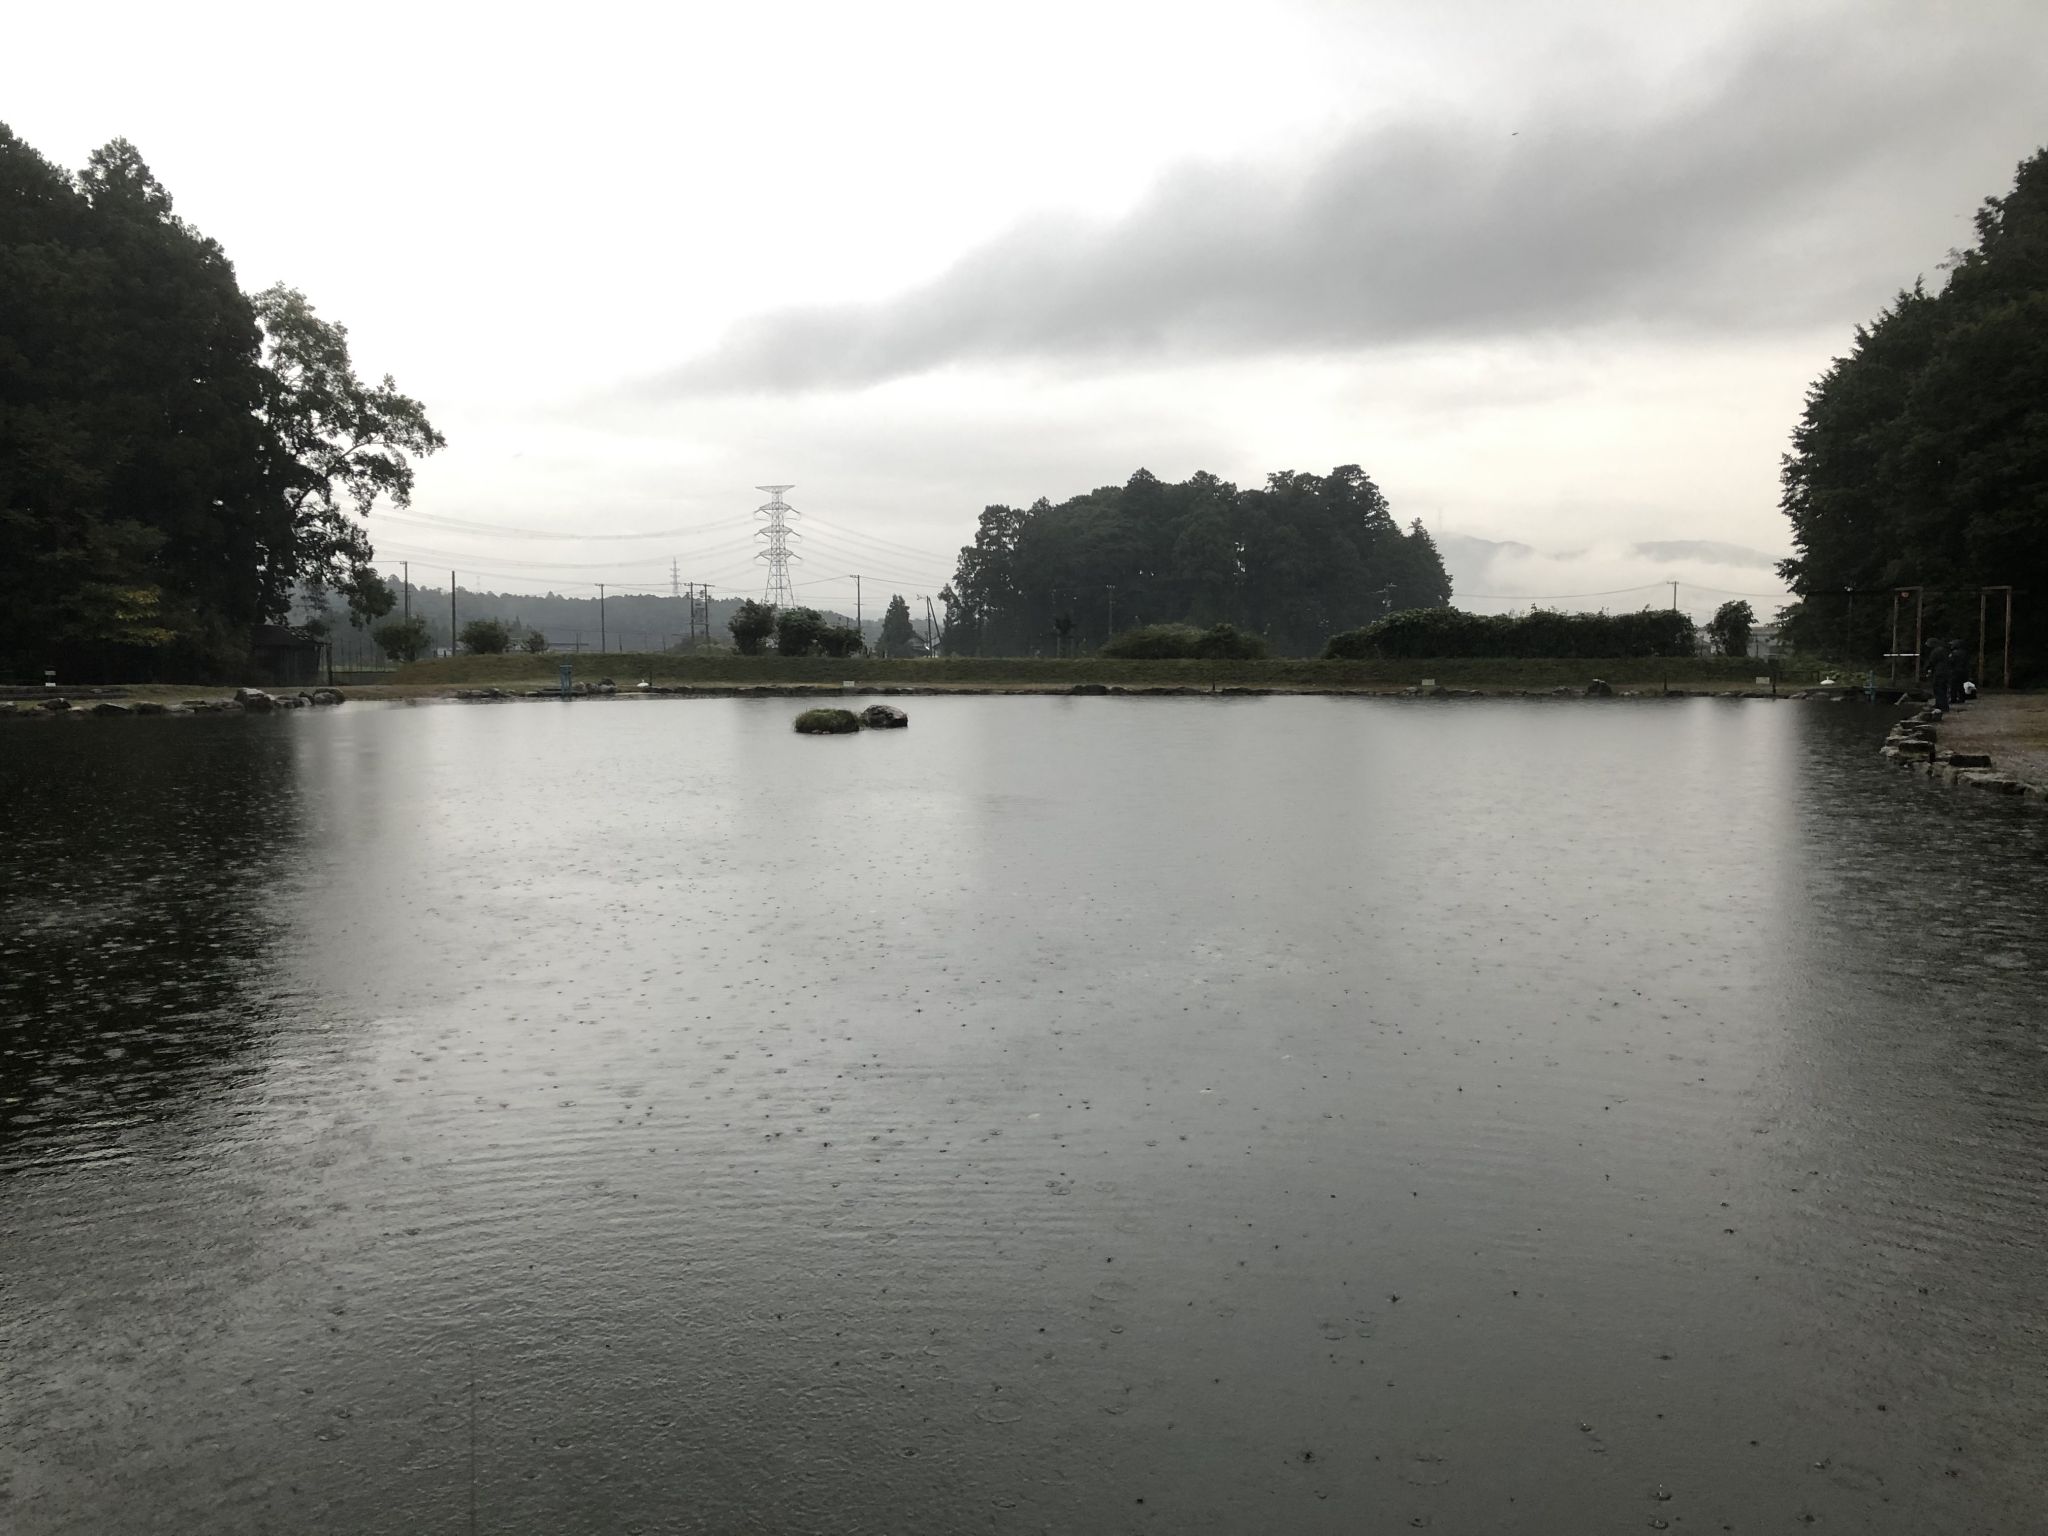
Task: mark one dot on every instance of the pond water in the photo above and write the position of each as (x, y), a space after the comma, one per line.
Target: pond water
(1065, 1115)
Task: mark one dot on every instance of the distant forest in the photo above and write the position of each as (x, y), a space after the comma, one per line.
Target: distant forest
(1296, 560)
(1922, 457)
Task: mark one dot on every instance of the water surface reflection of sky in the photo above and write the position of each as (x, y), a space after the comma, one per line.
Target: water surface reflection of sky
(1009, 1120)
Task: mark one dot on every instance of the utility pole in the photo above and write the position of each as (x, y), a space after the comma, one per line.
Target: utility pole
(930, 624)
(1674, 597)
(674, 579)
(856, 606)
(407, 564)
(451, 614)
(600, 619)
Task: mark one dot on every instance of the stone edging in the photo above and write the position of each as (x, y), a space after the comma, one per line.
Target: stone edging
(1911, 744)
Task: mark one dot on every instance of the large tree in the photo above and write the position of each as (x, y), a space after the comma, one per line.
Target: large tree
(345, 444)
(133, 463)
(751, 624)
(168, 473)
(1922, 457)
(1730, 627)
(898, 634)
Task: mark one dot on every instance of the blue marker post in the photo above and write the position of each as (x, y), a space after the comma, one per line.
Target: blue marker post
(567, 678)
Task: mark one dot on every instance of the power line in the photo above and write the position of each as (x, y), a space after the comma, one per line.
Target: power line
(575, 581)
(422, 551)
(1730, 592)
(1554, 597)
(507, 530)
(625, 558)
(870, 538)
(872, 572)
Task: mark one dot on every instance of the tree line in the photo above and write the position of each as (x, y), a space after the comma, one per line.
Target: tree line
(1921, 459)
(177, 457)
(1449, 632)
(630, 620)
(1295, 560)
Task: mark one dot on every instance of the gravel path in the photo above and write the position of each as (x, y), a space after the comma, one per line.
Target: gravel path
(2012, 728)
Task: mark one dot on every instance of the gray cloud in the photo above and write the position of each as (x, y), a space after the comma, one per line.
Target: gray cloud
(1798, 186)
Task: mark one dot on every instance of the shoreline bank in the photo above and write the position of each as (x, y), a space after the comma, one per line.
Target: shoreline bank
(169, 699)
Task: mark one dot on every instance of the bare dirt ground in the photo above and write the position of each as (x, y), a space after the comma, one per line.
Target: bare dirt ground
(2011, 727)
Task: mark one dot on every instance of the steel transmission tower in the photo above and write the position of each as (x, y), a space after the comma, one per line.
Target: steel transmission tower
(778, 533)
(700, 616)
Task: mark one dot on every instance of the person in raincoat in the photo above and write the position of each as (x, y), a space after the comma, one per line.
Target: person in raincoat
(1941, 674)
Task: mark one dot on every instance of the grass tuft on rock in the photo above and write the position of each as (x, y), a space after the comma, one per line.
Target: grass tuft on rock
(827, 722)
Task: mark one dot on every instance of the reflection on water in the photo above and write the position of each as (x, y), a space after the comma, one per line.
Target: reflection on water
(141, 896)
(1071, 1114)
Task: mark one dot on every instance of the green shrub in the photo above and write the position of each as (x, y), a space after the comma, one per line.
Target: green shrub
(1184, 642)
(1154, 642)
(486, 637)
(404, 639)
(1226, 642)
(841, 640)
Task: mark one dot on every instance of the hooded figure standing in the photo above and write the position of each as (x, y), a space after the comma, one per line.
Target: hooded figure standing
(1941, 673)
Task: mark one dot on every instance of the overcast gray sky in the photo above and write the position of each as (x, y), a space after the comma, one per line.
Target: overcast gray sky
(1556, 274)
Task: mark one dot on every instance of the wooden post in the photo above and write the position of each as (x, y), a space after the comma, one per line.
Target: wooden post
(1919, 630)
(2008, 638)
(1983, 603)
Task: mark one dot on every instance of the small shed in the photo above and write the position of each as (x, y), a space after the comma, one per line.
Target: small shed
(283, 657)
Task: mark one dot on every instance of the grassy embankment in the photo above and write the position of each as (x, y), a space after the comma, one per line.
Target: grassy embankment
(967, 673)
